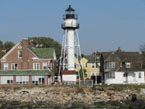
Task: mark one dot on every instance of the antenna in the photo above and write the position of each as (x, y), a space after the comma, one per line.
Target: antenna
(69, 2)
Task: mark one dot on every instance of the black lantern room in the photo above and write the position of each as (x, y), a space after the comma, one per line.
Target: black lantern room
(69, 14)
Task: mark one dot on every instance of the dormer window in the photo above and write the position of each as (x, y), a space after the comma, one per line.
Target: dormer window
(128, 65)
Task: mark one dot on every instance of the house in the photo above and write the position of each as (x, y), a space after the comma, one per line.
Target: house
(27, 64)
(90, 64)
(120, 67)
(24, 56)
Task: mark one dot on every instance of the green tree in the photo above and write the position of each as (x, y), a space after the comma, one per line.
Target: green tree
(1, 55)
(8, 45)
(47, 42)
(1, 45)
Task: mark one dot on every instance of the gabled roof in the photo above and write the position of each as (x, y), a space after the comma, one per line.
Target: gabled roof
(43, 52)
(122, 57)
(112, 57)
(90, 58)
(10, 50)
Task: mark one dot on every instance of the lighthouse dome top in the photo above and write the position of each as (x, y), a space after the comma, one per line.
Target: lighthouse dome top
(70, 9)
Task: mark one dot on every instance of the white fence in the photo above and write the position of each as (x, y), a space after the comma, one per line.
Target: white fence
(87, 83)
(81, 83)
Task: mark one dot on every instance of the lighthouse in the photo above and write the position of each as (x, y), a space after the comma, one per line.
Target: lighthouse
(70, 46)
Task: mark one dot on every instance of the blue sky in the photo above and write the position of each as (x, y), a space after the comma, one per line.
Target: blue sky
(104, 24)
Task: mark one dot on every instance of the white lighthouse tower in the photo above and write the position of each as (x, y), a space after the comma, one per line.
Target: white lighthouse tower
(70, 46)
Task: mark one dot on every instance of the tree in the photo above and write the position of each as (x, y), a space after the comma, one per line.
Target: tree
(1, 45)
(47, 42)
(1, 55)
(142, 49)
(8, 45)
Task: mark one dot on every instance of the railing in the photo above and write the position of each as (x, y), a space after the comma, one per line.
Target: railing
(81, 83)
(87, 83)
(75, 26)
(69, 82)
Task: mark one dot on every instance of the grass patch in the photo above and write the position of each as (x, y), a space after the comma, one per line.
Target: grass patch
(122, 86)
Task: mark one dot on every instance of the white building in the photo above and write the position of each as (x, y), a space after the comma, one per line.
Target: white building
(70, 46)
(122, 67)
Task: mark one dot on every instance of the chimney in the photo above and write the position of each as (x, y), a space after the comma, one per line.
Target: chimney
(25, 52)
(119, 50)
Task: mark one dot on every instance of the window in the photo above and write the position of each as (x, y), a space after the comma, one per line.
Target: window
(120, 64)
(9, 81)
(36, 66)
(110, 65)
(94, 65)
(113, 75)
(128, 65)
(20, 47)
(75, 65)
(14, 66)
(110, 75)
(44, 65)
(139, 75)
(19, 53)
(86, 65)
(6, 67)
(125, 74)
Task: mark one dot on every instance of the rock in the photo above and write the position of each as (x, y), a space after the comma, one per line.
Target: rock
(141, 96)
(134, 98)
(142, 91)
(99, 88)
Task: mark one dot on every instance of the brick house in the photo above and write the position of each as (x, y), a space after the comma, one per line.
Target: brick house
(26, 64)
(120, 67)
(25, 56)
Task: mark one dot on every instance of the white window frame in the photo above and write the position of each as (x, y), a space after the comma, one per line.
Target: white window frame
(12, 66)
(86, 64)
(19, 53)
(128, 65)
(6, 64)
(35, 66)
(139, 75)
(43, 65)
(94, 64)
(20, 47)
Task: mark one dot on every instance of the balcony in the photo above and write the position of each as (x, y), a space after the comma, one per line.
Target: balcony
(64, 26)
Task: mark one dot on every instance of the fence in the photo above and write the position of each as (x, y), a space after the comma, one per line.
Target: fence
(87, 83)
(81, 83)
(69, 82)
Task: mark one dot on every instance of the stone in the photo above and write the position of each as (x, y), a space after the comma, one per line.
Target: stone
(142, 91)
